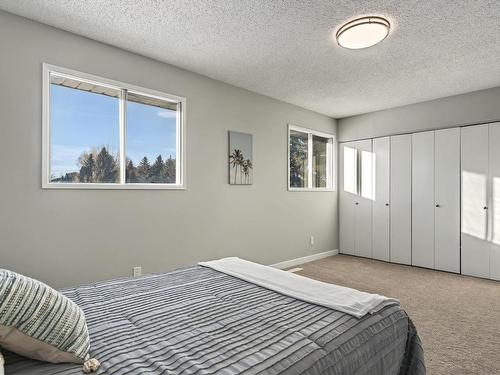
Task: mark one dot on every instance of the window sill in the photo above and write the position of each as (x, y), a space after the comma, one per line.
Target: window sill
(71, 186)
(310, 189)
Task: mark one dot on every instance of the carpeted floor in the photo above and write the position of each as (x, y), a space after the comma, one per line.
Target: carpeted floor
(457, 317)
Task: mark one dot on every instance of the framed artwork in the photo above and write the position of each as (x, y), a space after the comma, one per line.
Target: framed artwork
(240, 158)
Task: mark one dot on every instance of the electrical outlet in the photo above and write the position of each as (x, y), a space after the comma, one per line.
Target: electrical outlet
(137, 271)
(311, 240)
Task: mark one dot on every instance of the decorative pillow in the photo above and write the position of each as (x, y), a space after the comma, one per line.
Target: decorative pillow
(38, 322)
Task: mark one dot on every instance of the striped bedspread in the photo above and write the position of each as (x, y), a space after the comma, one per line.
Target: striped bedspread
(200, 321)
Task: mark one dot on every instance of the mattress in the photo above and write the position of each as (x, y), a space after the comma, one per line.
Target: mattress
(201, 321)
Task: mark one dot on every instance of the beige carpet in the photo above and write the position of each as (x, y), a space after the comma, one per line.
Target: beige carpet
(457, 317)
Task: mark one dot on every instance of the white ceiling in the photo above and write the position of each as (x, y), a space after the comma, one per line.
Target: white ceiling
(285, 49)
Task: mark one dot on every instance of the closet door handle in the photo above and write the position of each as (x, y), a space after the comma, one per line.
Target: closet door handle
(485, 208)
(437, 205)
(387, 204)
(356, 203)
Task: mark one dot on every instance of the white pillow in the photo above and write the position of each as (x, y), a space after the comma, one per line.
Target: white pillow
(2, 361)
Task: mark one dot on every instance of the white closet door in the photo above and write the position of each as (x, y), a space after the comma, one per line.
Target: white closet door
(400, 229)
(422, 250)
(363, 235)
(348, 183)
(494, 203)
(475, 246)
(447, 193)
(381, 209)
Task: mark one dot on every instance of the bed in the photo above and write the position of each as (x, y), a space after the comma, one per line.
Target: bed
(198, 320)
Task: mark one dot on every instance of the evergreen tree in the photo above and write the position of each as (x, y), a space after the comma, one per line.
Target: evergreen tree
(143, 170)
(156, 170)
(106, 167)
(68, 177)
(168, 172)
(87, 170)
(131, 172)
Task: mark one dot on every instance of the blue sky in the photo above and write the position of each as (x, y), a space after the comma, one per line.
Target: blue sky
(81, 121)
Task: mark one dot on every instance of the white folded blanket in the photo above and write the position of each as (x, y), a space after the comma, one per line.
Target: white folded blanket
(347, 300)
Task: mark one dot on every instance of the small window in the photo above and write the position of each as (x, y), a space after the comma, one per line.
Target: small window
(105, 134)
(310, 159)
(299, 171)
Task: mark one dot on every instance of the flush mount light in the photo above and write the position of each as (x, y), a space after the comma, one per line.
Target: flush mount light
(363, 32)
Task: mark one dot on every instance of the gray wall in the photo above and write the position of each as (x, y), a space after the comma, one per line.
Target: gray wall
(475, 107)
(66, 237)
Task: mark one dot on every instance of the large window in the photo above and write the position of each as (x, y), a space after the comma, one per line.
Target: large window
(310, 159)
(100, 133)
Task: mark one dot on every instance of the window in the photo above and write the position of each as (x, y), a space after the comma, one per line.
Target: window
(310, 159)
(100, 133)
(299, 148)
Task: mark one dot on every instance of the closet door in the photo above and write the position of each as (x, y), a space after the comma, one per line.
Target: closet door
(447, 193)
(475, 246)
(494, 202)
(400, 228)
(381, 201)
(363, 232)
(423, 199)
(348, 182)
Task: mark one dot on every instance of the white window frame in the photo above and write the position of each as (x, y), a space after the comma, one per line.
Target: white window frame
(180, 183)
(331, 159)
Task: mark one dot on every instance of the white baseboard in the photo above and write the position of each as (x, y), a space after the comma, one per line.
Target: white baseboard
(307, 258)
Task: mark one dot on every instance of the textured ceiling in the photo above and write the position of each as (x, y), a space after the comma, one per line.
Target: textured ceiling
(285, 49)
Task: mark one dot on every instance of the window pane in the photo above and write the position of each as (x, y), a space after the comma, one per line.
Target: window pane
(367, 174)
(350, 170)
(298, 159)
(151, 140)
(321, 162)
(84, 132)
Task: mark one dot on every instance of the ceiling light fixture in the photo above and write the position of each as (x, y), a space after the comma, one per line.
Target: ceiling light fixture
(363, 32)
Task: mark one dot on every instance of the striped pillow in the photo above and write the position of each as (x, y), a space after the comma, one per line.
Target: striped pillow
(38, 322)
